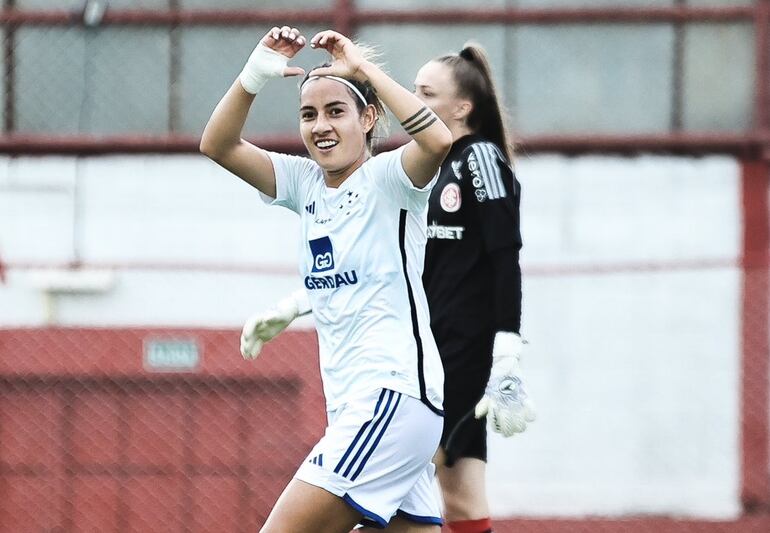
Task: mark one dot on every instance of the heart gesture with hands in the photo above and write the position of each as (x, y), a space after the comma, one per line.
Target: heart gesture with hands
(347, 59)
(287, 42)
(271, 56)
(269, 59)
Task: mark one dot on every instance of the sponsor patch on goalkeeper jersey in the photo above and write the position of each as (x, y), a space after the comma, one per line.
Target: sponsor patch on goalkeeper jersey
(451, 233)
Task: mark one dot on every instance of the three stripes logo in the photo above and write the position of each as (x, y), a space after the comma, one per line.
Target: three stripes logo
(485, 172)
(310, 208)
(317, 460)
(369, 436)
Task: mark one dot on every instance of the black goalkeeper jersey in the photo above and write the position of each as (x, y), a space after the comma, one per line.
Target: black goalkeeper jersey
(472, 277)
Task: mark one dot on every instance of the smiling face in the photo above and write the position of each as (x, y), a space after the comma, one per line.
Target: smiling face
(333, 130)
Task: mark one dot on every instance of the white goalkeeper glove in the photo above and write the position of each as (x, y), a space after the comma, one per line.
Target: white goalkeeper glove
(506, 403)
(262, 327)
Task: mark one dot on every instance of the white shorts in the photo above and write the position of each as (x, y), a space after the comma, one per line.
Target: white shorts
(376, 455)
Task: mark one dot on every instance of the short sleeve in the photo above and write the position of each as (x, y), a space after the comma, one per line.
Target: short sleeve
(292, 174)
(392, 179)
(495, 194)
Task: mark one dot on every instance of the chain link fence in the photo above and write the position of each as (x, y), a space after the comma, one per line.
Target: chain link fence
(155, 70)
(143, 429)
(136, 429)
(107, 430)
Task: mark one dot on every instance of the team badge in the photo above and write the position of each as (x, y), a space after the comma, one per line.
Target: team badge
(451, 198)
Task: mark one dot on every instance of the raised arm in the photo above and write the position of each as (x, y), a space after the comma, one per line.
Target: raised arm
(221, 140)
(431, 139)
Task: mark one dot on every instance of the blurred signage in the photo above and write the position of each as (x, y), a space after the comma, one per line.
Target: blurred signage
(171, 355)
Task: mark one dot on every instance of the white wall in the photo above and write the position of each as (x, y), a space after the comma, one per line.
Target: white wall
(634, 369)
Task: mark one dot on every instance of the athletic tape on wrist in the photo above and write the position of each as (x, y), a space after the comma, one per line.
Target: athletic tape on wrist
(263, 64)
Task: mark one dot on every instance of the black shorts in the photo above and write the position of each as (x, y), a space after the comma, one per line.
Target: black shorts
(466, 373)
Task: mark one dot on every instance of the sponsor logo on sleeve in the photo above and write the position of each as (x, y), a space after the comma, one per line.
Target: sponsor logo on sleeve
(476, 178)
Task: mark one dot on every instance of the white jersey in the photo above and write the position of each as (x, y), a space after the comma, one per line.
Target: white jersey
(361, 255)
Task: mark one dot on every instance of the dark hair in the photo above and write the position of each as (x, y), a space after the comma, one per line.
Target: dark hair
(473, 77)
(369, 94)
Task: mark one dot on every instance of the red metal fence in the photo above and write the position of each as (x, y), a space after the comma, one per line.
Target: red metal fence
(93, 439)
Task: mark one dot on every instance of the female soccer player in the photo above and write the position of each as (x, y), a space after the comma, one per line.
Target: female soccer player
(363, 234)
(473, 280)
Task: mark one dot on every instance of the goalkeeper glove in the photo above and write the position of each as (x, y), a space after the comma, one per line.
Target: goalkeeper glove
(262, 327)
(506, 403)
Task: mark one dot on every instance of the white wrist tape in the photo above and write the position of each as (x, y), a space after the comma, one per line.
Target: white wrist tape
(262, 65)
(507, 344)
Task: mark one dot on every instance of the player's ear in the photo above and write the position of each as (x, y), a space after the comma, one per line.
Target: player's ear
(368, 118)
(462, 110)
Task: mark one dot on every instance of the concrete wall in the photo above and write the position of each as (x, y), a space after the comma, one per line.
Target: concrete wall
(631, 305)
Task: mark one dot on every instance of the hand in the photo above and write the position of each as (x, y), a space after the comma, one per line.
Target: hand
(506, 403)
(270, 57)
(347, 59)
(287, 42)
(262, 327)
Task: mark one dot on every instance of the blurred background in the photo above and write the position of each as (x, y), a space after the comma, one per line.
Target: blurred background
(128, 262)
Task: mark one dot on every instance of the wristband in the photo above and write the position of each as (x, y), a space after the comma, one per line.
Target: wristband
(507, 344)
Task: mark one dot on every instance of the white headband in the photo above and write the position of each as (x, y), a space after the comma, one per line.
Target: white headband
(343, 81)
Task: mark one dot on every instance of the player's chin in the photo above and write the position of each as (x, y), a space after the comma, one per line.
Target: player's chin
(332, 171)
(332, 163)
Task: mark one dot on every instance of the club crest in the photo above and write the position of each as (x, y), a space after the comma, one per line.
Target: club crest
(450, 199)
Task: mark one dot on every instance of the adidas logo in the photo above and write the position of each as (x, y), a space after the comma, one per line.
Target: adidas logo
(317, 460)
(310, 208)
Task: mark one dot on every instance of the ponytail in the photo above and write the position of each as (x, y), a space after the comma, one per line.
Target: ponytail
(473, 76)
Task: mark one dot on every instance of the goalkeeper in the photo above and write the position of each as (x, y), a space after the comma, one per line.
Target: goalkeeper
(472, 280)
